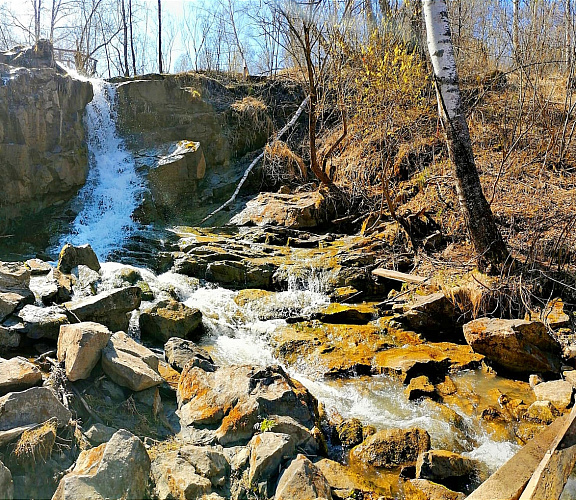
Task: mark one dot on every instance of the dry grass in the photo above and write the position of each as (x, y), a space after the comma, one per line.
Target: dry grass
(36, 444)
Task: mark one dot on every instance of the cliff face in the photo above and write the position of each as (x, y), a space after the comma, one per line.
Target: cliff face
(43, 155)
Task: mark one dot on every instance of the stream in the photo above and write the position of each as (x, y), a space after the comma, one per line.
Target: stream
(236, 335)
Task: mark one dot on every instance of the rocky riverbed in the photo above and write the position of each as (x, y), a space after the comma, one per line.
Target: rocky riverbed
(252, 363)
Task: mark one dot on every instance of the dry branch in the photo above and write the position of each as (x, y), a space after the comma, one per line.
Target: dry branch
(258, 158)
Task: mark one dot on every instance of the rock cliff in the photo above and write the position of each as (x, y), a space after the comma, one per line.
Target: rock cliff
(43, 156)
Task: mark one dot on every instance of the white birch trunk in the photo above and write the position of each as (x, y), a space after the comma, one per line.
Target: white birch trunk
(483, 232)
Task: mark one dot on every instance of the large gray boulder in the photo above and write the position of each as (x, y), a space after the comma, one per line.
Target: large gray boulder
(130, 364)
(6, 483)
(18, 374)
(302, 480)
(118, 469)
(72, 256)
(516, 345)
(80, 346)
(32, 406)
(109, 308)
(170, 318)
(267, 452)
(179, 352)
(42, 322)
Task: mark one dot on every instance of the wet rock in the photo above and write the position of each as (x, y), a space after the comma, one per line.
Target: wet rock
(558, 392)
(420, 387)
(86, 280)
(240, 274)
(175, 477)
(179, 352)
(541, 412)
(72, 256)
(344, 314)
(6, 483)
(43, 321)
(130, 364)
(422, 489)
(350, 432)
(64, 282)
(170, 318)
(433, 360)
(209, 462)
(343, 481)
(17, 374)
(237, 397)
(515, 345)
(99, 433)
(118, 469)
(32, 406)
(447, 468)
(432, 315)
(174, 180)
(109, 308)
(392, 447)
(80, 346)
(302, 480)
(295, 211)
(267, 452)
(38, 267)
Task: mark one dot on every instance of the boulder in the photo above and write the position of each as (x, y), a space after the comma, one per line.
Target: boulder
(42, 322)
(179, 352)
(18, 374)
(130, 364)
(64, 282)
(267, 452)
(344, 481)
(541, 412)
(14, 276)
(72, 256)
(350, 432)
(175, 477)
(99, 433)
(38, 267)
(516, 345)
(208, 462)
(295, 211)
(109, 308)
(302, 480)
(32, 406)
(432, 315)
(420, 387)
(174, 180)
(45, 288)
(80, 346)
(558, 392)
(170, 318)
(392, 448)
(10, 301)
(237, 397)
(6, 483)
(422, 489)
(447, 468)
(117, 469)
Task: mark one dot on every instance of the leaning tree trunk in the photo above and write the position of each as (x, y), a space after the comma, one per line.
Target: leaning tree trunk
(484, 234)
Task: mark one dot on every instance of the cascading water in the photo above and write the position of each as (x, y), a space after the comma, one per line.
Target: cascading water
(112, 189)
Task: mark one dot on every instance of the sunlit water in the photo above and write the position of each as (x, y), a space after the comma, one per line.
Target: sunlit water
(113, 187)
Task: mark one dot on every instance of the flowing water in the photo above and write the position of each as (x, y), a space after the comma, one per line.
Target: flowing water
(113, 187)
(241, 334)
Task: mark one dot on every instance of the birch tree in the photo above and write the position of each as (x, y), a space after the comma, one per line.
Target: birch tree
(484, 234)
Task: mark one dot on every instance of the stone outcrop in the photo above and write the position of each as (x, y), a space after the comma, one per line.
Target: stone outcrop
(43, 156)
(516, 345)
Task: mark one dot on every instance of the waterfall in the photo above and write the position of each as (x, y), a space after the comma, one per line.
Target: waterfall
(113, 186)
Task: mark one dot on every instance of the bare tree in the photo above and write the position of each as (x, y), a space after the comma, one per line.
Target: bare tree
(484, 234)
(160, 36)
